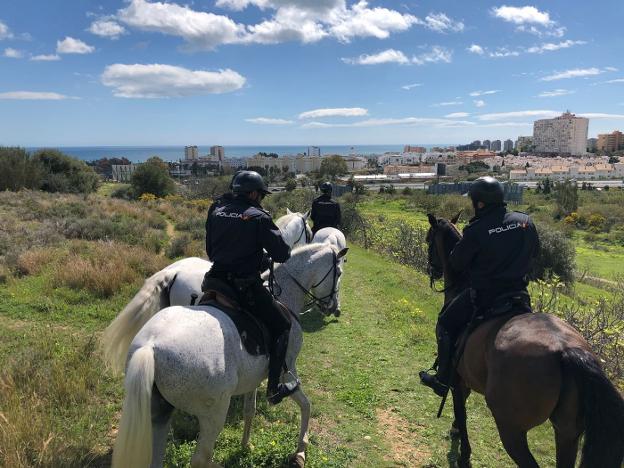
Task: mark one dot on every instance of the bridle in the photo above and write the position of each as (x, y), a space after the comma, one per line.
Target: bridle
(322, 303)
(434, 270)
(304, 232)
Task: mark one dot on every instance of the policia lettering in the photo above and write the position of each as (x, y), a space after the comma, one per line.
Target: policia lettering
(509, 227)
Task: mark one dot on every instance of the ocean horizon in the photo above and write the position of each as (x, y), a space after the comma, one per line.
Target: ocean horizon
(173, 153)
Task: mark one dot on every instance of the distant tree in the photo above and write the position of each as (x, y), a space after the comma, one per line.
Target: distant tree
(152, 177)
(291, 184)
(63, 173)
(18, 170)
(613, 159)
(260, 170)
(104, 166)
(333, 166)
(566, 198)
(556, 256)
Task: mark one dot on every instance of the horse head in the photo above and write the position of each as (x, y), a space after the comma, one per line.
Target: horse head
(442, 237)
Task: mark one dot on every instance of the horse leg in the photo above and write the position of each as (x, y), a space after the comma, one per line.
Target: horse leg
(210, 426)
(161, 420)
(567, 448)
(568, 424)
(249, 410)
(298, 458)
(515, 443)
(460, 394)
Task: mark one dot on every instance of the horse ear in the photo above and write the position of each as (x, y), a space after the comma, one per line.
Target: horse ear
(432, 220)
(456, 217)
(343, 252)
(288, 211)
(306, 215)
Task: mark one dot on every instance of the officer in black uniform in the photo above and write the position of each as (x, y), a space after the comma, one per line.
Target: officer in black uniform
(496, 249)
(325, 211)
(237, 231)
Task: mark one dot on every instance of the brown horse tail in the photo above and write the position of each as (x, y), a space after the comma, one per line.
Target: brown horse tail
(603, 410)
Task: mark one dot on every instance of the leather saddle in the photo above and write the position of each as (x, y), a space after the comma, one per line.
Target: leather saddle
(255, 335)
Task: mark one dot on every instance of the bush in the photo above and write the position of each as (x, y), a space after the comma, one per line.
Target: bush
(178, 246)
(152, 177)
(18, 170)
(32, 262)
(556, 256)
(291, 184)
(63, 173)
(125, 192)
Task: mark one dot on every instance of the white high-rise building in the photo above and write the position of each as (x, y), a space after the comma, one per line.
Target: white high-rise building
(314, 152)
(190, 152)
(217, 152)
(507, 145)
(566, 134)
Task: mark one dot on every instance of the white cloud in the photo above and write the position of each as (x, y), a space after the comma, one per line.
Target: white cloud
(107, 28)
(503, 52)
(479, 103)
(269, 121)
(513, 115)
(574, 73)
(33, 96)
(601, 116)
(439, 22)
(484, 93)
(447, 103)
(617, 80)
(522, 15)
(549, 46)
(410, 86)
(611, 69)
(45, 58)
(69, 45)
(457, 115)
(386, 56)
(437, 54)
(476, 49)
(555, 93)
(334, 112)
(13, 53)
(157, 81)
(5, 32)
(406, 121)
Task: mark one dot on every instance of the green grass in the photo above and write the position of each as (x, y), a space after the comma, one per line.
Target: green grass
(603, 260)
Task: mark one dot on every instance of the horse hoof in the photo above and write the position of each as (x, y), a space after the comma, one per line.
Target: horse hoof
(337, 313)
(296, 461)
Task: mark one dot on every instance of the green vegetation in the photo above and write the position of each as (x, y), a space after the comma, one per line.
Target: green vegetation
(68, 265)
(152, 177)
(332, 167)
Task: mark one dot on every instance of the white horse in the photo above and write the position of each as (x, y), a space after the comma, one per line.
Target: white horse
(192, 358)
(179, 284)
(335, 237)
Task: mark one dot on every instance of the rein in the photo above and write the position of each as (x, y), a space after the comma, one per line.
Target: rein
(305, 232)
(432, 272)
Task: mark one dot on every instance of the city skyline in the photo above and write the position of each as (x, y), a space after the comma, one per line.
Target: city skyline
(302, 72)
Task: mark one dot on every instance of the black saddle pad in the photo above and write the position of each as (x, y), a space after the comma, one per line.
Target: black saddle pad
(254, 334)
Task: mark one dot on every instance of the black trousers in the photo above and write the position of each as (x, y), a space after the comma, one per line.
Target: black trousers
(258, 300)
(456, 315)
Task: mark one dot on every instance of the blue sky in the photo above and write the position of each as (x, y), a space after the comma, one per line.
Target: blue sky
(236, 72)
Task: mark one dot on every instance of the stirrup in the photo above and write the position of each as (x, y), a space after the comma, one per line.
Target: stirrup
(431, 381)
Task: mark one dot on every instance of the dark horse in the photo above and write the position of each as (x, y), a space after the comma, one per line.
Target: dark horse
(530, 368)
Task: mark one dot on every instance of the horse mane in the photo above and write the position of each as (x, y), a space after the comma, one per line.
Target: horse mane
(283, 221)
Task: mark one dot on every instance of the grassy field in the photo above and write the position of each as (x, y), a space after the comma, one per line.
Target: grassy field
(59, 406)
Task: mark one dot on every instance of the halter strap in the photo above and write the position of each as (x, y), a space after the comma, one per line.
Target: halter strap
(303, 232)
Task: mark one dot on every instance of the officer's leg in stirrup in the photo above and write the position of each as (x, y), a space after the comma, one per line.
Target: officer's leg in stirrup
(441, 380)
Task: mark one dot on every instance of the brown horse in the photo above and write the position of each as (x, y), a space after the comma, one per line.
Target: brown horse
(530, 368)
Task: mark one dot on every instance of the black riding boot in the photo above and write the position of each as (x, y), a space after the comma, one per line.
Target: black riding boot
(441, 380)
(277, 391)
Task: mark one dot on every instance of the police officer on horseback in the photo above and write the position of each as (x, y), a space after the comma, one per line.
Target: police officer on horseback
(325, 210)
(238, 231)
(496, 251)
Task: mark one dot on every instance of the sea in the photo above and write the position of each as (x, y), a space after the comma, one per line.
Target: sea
(173, 153)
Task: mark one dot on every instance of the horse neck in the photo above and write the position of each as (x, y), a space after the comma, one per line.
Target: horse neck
(290, 228)
(303, 270)
(454, 282)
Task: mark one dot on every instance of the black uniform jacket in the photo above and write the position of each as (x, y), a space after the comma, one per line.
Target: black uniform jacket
(325, 212)
(497, 249)
(236, 232)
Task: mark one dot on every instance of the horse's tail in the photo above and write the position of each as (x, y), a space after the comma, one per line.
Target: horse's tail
(152, 297)
(603, 410)
(133, 446)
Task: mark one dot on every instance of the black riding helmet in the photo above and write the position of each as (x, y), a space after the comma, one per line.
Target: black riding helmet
(248, 181)
(326, 187)
(487, 190)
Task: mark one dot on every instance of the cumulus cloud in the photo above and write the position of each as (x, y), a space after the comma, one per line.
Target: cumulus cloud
(519, 114)
(5, 32)
(69, 45)
(269, 121)
(574, 73)
(13, 53)
(158, 81)
(457, 115)
(484, 93)
(555, 93)
(479, 103)
(407, 87)
(45, 57)
(107, 28)
(334, 112)
(33, 96)
(476, 49)
(529, 19)
(386, 56)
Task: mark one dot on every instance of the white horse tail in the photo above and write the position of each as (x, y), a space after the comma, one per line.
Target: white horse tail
(152, 297)
(133, 446)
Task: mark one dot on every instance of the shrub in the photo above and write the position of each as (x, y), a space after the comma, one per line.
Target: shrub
(152, 177)
(178, 246)
(556, 256)
(125, 192)
(596, 223)
(32, 262)
(18, 170)
(64, 173)
(147, 197)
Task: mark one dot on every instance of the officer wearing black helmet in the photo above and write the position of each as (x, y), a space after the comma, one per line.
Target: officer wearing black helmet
(237, 231)
(496, 250)
(325, 211)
